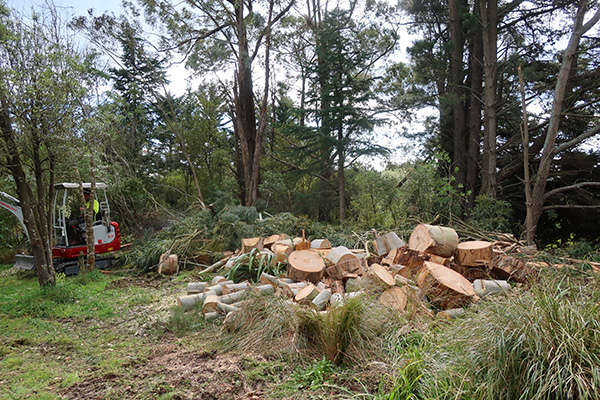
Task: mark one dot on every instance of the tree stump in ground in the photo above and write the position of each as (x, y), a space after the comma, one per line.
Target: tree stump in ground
(438, 240)
(446, 288)
(305, 265)
(473, 253)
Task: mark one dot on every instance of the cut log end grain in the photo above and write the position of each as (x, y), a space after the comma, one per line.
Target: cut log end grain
(306, 294)
(305, 265)
(438, 240)
(395, 297)
(445, 287)
(473, 253)
(252, 243)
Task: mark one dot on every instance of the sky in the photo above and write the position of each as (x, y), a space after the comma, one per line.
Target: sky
(177, 74)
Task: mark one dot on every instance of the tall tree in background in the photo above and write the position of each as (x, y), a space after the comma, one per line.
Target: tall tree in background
(568, 70)
(218, 34)
(42, 84)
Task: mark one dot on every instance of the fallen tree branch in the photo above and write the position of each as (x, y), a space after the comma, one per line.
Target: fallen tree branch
(216, 265)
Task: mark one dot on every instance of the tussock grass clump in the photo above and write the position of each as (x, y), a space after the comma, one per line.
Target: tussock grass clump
(541, 344)
(266, 324)
(272, 325)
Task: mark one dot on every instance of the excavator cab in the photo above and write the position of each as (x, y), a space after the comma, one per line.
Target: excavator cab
(70, 236)
(69, 231)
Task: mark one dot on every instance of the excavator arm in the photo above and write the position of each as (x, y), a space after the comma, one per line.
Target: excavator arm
(13, 205)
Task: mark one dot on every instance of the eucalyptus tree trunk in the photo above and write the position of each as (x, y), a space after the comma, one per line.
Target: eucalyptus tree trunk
(550, 150)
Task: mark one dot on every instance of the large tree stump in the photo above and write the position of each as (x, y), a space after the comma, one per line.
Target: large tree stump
(438, 240)
(473, 254)
(340, 254)
(305, 265)
(445, 288)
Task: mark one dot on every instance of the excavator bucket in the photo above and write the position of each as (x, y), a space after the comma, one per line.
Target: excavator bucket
(24, 261)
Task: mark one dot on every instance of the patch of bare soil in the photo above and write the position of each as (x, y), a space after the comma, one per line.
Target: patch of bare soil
(149, 281)
(181, 373)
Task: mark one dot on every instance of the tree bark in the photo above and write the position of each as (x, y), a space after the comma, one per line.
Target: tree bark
(535, 208)
(489, 21)
(37, 230)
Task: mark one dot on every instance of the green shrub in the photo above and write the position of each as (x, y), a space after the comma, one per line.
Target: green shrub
(492, 215)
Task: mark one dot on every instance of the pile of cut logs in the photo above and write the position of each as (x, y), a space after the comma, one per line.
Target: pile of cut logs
(434, 270)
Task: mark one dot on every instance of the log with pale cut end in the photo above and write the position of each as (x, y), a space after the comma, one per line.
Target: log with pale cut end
(473, 253)
(395, 297)
(268, 242)
(196, 287)
(252, 243)
(341, 270)
(355, 285)
(188, 302)
(340, 254)
(450, 314)
(378, 278)
(218, 280)
(233, 297)
(305, 265)
(168, 264)
(282, 251)
(211, 316)
(266, 289)
(438, 240)
(291, 289)
(487, 286)
(320, 244)
(306, 294)
(337, 299)
(210, 304)
(444, 287)
(226, 308)
(235, 287)
(388, 242)
(320, 302)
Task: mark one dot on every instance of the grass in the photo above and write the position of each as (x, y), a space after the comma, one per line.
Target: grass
(541, 342)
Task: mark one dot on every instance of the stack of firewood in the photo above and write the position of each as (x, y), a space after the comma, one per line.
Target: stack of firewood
(434, 270)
